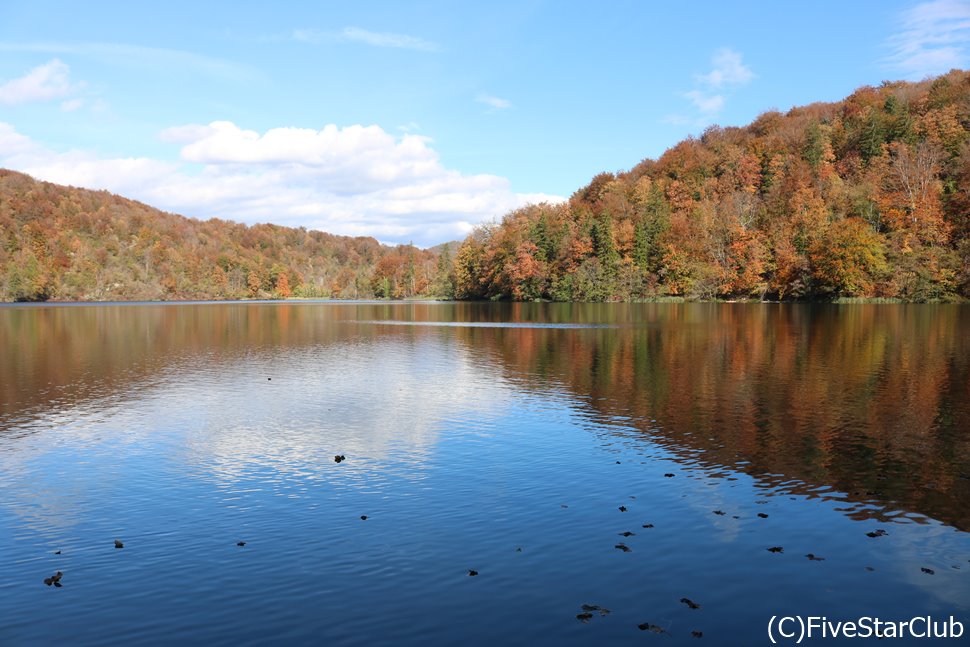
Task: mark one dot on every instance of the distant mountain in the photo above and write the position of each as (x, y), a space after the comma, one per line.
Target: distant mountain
(865, 197)
(66, 243)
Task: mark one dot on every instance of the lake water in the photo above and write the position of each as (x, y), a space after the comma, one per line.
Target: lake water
(515, 440)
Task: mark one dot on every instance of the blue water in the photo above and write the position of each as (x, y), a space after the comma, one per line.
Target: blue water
(484, 437)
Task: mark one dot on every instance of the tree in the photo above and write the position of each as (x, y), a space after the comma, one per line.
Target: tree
(283, 286)
(848, 259)
(254, 283)
(443, 286)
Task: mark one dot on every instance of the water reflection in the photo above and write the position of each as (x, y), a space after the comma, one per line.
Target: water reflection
(865, 403)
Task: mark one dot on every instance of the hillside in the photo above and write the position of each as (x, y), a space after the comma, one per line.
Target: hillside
(866, 197)
(65, 243)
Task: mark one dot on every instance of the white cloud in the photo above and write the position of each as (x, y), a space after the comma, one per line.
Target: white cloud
(704, 102)
(157, 59)
(43, 83)
(357, 180)
(72, 104)
(372, 38)
(728, 70)
(933, 39)
(379, 39)
(495, 103)
(711, 90)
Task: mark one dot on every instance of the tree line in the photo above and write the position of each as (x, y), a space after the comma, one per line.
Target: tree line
(65, 243)
(866, 197)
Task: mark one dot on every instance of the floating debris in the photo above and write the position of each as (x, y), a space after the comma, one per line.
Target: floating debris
(627, 533)
(118, 544)
(617, 462)
(646, 626)
(623, 547)
(595, 607)
(647, 525)
(815, 558)
(870, 569)
(57, 552)
(928, 571)
(240, 543)
(622, 508)
(762, 515)
(720, 513)
(472, 572)
(668, 475)
(269, 379)
(877, 533)
(697, 634)
(584, 617)
(776, 549)
(734, 516)
(339, 458)
(363, 517)
(519, 549)
(690, 603)
(563, 505)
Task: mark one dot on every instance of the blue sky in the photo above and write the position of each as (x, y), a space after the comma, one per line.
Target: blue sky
(414, 121)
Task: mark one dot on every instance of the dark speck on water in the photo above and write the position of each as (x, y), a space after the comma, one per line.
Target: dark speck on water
(647, 525)
(776, 549)
(697, 634)
(877, 533)
(815, 558)
(669, 475)
(118, 544)
(55, 579)
(690, 603)
(584, 617)
(240, 543)
(646, 626)
(627, 533)
(595, 607)
(339, 458)
(762, 515)
(622, 508)
(363, 517)
(928, 571)
(472, 573)
(720, 513)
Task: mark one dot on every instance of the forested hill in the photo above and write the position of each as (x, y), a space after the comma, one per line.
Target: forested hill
(866, 197)
(66, 243)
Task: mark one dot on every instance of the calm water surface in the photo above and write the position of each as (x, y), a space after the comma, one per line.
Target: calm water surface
(502, 438)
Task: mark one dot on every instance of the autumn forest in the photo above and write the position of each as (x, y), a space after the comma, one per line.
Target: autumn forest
(868, 197)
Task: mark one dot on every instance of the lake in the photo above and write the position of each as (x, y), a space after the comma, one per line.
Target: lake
(639, 458)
